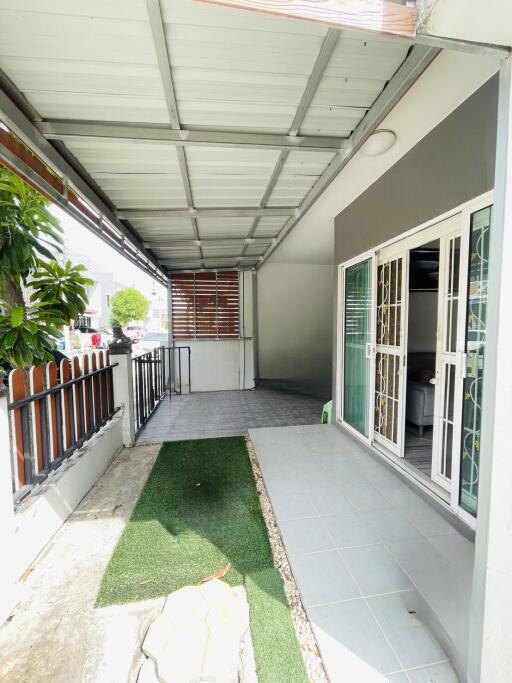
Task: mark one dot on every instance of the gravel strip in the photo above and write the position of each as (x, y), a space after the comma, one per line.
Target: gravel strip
(303, 630)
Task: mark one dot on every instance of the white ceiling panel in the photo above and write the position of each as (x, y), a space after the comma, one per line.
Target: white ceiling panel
(160, 229)
(224, 227)
(124, 156)
(257, 249)
(87, 37)
(269, 226)
(229, 177)
(225, 66)
(298, 176)
(231, 71)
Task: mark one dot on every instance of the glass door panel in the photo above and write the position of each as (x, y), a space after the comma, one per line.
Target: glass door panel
(475, 349)
(357, 345)
(388, 358)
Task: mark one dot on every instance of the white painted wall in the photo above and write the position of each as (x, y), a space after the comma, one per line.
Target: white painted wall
(217, 365)
(220, 365)
(295, 317)
(39, 519)
(24, 533)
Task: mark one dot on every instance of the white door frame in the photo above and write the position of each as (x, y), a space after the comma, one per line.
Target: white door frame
(392, 253)
(446, 358)
(463, 213)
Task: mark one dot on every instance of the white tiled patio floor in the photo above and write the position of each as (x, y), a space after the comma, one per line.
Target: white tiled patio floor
(373, 561)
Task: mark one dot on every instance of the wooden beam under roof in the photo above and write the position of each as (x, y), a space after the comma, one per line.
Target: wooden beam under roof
(377, 16)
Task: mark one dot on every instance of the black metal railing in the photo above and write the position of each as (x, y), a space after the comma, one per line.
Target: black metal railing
(158, 373)
(53, 412)
(177, 369)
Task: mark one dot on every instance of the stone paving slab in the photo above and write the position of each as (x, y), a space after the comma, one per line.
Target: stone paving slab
(56, 635)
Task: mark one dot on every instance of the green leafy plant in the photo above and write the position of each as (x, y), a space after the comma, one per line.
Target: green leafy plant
(30, 238)
(128, 304)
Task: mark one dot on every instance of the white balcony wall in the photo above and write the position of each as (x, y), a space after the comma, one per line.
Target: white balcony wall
(222, 364)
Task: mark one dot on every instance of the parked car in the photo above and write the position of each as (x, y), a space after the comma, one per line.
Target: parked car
(150, 341)
(135, 332)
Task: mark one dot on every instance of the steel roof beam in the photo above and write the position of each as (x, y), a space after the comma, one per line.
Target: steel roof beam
(413, 66)
(328, 45)
(162, 243)
(17, 121)
(158, 32)
(210, 259)
(73, 130)
(164, 64)
(214, 212)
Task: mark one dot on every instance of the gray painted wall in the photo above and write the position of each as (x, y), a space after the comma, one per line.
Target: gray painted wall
(295, 319)
(451, 165)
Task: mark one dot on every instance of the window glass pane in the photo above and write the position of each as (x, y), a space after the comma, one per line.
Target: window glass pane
(475, 349)
(356, 337)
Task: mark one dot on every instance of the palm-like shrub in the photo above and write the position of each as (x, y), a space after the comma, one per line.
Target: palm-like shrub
(30, 238)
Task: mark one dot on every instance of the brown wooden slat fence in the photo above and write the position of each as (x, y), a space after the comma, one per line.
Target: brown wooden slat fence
(53, 411)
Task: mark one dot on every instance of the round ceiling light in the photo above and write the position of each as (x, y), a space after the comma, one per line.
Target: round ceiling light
(378, 143)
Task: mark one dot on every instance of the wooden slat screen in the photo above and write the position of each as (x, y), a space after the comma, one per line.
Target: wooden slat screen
(205, 305)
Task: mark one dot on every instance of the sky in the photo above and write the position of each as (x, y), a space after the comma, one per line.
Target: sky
(105, 258)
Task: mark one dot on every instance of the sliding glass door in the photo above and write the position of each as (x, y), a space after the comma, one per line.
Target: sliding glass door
(357, 337)
(388, 408)
(449, 356)
(475, 340)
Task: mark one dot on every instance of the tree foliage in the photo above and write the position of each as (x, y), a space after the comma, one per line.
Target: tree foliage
(128, 304)
(30, 238)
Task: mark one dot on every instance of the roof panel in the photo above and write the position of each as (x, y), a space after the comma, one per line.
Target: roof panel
(78, 76)
(113, 9)
(232, 70)
(270, 226)
(224, 227)
(161, 229)
(88, 37)
(81, 106)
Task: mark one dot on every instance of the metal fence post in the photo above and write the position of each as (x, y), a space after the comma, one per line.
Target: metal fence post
(9, 587)
(124, 392)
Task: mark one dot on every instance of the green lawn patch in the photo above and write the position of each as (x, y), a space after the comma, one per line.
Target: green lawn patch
(199, 511)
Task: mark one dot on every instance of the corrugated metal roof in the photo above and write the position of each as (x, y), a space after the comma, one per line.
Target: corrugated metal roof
(231, 71)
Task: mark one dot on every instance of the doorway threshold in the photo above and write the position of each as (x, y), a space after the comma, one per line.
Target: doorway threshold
(413, 473)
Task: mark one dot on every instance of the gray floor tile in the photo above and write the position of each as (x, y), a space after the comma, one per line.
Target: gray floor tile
(348, 530)
(292, 506)
(390, 525)
(439, 673)
(330, 461)
(305, 536)
(228, 413)
(456, 550)
(365, 497)
(427, 569)
(323, 578)
(354, 645)
(410, 638)
(427, 520)
(328, 500)
(374, 570)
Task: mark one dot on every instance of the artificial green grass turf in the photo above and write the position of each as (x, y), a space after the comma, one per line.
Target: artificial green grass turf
(277, 652)
(198, 511)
